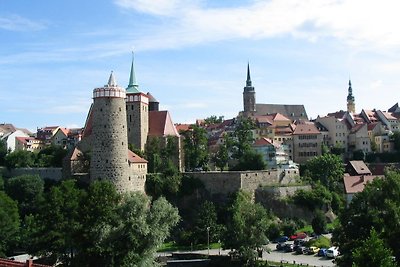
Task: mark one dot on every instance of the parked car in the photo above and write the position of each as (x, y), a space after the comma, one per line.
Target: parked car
(322, 252)
(312, 250)
(300, 235)
(288, 248)
(301, 250)
(299, 242)
(332, 252)
(280, 246)
(281, 239)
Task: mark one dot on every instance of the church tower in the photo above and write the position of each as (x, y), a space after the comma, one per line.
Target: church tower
(137, 112)
(351, 106)
(249, 96)
(109, 137)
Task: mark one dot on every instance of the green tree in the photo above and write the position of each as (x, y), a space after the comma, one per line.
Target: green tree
(58, 224)
(153, 155)
(206, 223)
(358, 155)
(27, 190)
(51, 156)
(378, 207)
(373, 252)
(317, 198)
(318, 223)
(251, 160)
(9, 223)
(3, 152)
(142, 227)
(242, 138)
(396, 139)
(213, 120)
(246, 231)
(196, 148)
(327, 169)
(221, 157)
(19, 159)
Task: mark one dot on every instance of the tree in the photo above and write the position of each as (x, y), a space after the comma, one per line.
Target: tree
(327, 169)
(153, 155)
(213, 120)
(27, 190)
(358, 154)
(51, 156)
(206, 223)
(319, 222)
(247, 228)
(196, 149)
(3, 152)
(19, 159)
(378, 207)
(221, 157)
(396, 139)
(142, 227)
(58, 223)
(373, 252)
(242, 138)
(9, 223)
(251, 160)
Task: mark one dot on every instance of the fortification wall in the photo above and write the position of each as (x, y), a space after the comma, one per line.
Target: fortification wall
(45, 173)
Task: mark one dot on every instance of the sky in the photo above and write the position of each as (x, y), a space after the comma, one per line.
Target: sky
(192, 55)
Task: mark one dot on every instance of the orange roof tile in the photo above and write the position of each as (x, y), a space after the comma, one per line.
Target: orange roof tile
(356, 184)
(306, 129)
(160, 124)
(263, 142)
(134, 158)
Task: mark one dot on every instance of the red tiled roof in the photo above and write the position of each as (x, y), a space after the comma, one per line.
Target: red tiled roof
(160, 124)
(134, 158)
(280, 117)
(183, 127)
(372, 126)
(306, 129)
(28, 263)
(359, 167)
(65, 131)
(337, 114)
(356, 128)
(355, 184)
(263, 142)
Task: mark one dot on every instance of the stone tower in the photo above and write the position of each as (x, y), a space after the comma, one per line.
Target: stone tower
(109, 136)
(249, 96)
(137, 112)
(351, 106)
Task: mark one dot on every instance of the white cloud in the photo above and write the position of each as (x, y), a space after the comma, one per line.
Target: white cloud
(362, 23)
(18, 23)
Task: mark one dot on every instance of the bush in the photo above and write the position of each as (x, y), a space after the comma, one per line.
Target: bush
(320, 242)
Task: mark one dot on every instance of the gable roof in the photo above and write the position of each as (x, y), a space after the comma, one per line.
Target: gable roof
(359, 167)
(356, 184)
(7, 128)
(263, 142)
(160, 124)
(293, 112)
(305, 129)
(134, 158)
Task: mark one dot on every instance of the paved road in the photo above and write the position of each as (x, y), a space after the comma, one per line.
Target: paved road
(276, 256)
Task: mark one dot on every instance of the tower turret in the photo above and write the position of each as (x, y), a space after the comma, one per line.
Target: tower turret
(249, 95)
(110, 142)
(137, 113)
(351, 106)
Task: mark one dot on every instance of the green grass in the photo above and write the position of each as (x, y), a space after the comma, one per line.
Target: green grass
(171, 246)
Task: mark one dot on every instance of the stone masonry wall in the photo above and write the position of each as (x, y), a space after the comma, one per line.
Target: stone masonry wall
(45, 173)
(138, 123)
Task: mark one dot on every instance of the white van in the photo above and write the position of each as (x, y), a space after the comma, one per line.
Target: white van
(332, 252)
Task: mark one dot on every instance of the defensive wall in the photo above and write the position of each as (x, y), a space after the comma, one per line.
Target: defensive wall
(45, 173)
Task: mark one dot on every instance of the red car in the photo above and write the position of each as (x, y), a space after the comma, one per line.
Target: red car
(299, 235)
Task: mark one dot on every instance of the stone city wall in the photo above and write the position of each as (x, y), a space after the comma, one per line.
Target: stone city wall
(45, 173)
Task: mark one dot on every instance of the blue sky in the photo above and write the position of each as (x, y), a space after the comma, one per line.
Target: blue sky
(192, 55)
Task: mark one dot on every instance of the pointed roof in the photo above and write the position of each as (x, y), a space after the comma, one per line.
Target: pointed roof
(248, 86)
(395, 108)
(152, 98)
(134, 158)
(133, 86)
(160, 124)
(350, 95)
(112, 82)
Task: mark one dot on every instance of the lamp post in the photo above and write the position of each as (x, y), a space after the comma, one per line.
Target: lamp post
(208, 240)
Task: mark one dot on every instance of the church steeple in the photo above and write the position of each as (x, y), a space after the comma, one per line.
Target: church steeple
(350, 100)
(249, 95)
(133, 86)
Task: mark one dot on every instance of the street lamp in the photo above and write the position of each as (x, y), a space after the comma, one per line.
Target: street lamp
(208, 240)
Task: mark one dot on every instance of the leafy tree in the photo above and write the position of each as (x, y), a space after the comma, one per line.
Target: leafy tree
(141, 229)
(58, 223)
(358, 155)
(319, 222)
(242, 138)
(373, 252)
(27, 190)
(327, 169)
(338, 150)
(221, 157)
(153, 155)
(378, 207)
(247, 228)
(396, 139)
(213, 120)
(196, 149)
(51, 156)
(251, 160)
(3, 152)
(206, 223)
(9, 223)
(313, 199)
(19, 159)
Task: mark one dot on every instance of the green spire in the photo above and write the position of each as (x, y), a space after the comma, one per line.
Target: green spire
(350, 96)
(133, 86)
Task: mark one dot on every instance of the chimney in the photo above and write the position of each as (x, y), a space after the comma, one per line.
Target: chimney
(362, 178)
(29, 263)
